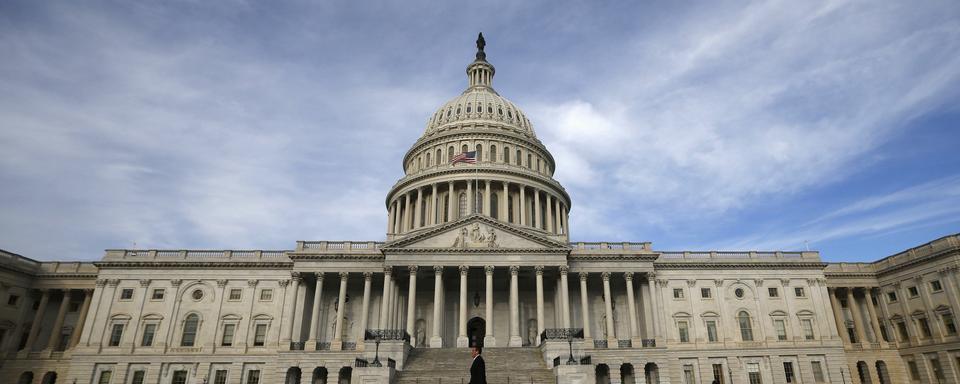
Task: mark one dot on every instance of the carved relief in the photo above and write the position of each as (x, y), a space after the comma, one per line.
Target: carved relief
(476, 237)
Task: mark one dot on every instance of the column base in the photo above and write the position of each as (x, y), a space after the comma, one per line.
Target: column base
(637, 342)
(336, 345)
(587, 342)
(436, 342)
(613, 343)
(489, 341)
(463, 342)
(515, 341)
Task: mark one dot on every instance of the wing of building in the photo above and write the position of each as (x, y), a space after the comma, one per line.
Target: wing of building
(478, 253)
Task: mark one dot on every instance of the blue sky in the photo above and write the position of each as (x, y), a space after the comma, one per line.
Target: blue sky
(242, 124)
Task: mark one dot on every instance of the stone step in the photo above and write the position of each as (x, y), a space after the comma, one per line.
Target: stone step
(452, 366)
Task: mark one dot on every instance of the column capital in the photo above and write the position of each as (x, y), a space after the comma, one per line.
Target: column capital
(367, 276)
(222, 283)
(651, 276)
(564, 269)
(295, 276)
(344, 275)
(605, 275)
(413, 268)
(252, 283)
(144, 283)
(113, 282)
(584, 276)
(438, 270)
(387, 271)
(488, 269)
(539, 270)
(628, 276)
(718, 282)
(284, 283)
(786, 282)
(463, 269)
(514, 270)
(318, 276)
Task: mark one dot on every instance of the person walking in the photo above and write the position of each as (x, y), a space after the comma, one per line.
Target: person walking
(478, 370)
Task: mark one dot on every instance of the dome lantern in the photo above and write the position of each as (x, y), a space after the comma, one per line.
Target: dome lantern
(480, 72)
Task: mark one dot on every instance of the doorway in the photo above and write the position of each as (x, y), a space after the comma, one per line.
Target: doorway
(476, 330)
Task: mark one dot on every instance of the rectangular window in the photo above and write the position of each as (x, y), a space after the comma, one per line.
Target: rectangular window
(138, 377)
(788, 371)
(852, 334)
(105, 377)
(712, 331)
(179, 377)
(914, 370)
(924, 328)
(718, 373)
(937, 369)
(253, 376)
(753, 373)
(892, 297)
(799, 292)
(773, 292)
(884, 333)
(807, 325)
(913, 291)
(688, 377)
(63, 342)
(949, 324)
(817, 368)
(902, 330)
(115, 334)
(706, 293)
(157, 294)
(781, 327)
(220, 377)
(235, 294)
(12, 300)
(684, 331)
(936, 286)
(126, 294)
(678, 293)
(228, 330)
(266, 295)
(260, 335)
(149, 331)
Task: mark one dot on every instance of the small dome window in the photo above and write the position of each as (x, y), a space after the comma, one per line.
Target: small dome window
(509, 114)
(489, 109)
(468, 108)
(738, 292)
(458, 110)
(448, 113)
(500, 110)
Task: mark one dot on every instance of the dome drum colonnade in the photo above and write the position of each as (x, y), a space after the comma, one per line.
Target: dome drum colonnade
(511, 180)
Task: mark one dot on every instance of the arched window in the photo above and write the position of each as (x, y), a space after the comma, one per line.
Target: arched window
(479, 152)
(506, 155)
(493, 153)
(529, 160)
(465, 149)
(444, 209)
(463, 204)
(494, 206)
(419, 163)
(428, 159)
(423, 213)
(439, 155)
(509, 203)
(190, 326)
(450, 153)
(518, 157)
(746, 327)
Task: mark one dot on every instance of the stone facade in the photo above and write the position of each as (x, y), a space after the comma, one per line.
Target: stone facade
(478, 251)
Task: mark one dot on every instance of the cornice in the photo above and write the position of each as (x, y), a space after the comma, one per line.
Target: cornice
(737, 265)
(499, 168)
(337, 256)
(613, 257)
(934, 256)
(474, 130)
(396, 245)
(447, 250)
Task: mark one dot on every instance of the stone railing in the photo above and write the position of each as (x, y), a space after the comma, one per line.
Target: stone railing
(649, 343)
(939, 245)
(611, 246)
(601, 344)
(386, 334)
(561, 334)
(322, 346)
(338, 246)
(754, 255)
(625, 343)
(160, 255)
(296, 345)
(572, 360)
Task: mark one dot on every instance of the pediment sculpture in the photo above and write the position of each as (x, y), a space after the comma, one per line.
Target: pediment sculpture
(476, 237)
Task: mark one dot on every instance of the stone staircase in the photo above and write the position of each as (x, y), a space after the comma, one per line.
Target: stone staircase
(452, 366)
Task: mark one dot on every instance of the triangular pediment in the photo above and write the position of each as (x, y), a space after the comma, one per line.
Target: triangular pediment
(473, 233)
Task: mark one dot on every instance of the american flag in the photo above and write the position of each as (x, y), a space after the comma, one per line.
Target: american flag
(466, 157)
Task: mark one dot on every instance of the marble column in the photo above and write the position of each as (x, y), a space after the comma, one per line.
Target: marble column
(315, 314)
(566, 222)
(89, 324)
(397, 217)
(648, 310)
(838, 315)
(462, 341)
(433, 220)
(412, 303)
(37, 320)
(364, 309)
(406, 212)
(489, 340)
(505, 203)
(654, 300)
(515, 340)
(58, 323)
(874, 321)
(549, 213)
(287, 333)
(435, 340)
(523, 205)
(418, 214)
(486, 198)
(337, 343)
(608, 306)
(632, 306)
(390, 218)
(857, 318)
(540, 319)
(450, 200)
(537, 220)
(471, 199)
(585, 308)
(385, 298)
(557, 221)
(565, 296)
(82, 319)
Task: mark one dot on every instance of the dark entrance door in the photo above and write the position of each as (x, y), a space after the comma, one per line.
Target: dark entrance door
(476, 329)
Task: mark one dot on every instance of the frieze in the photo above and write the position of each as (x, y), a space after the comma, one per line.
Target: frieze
(476, 237)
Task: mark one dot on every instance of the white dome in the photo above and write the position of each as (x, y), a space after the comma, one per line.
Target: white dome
(480, 104)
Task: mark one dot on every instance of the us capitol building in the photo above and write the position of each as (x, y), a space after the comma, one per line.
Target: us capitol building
(480, 253)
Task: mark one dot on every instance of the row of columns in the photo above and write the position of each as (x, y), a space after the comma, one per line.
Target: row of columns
(857, 315)
(337, 342)
(36, 324)
(406, 210)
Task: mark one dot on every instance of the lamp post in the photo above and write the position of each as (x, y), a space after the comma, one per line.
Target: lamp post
(376, 355)
(570, 343)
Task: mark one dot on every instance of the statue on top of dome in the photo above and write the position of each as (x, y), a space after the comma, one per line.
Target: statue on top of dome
(480, 44)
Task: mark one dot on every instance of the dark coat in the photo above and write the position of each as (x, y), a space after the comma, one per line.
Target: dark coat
(478, 371)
